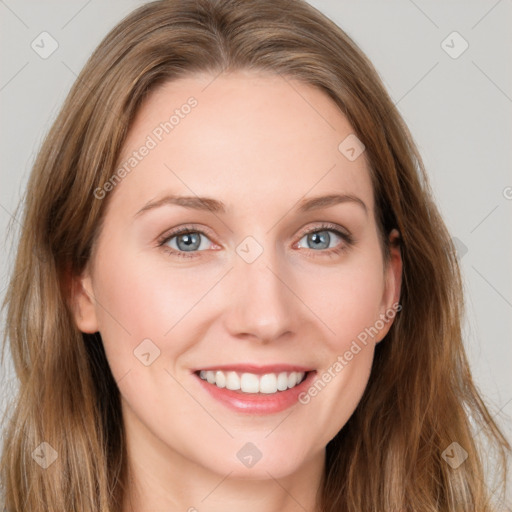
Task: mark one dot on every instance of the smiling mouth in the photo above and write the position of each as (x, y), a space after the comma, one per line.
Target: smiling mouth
(251, 383)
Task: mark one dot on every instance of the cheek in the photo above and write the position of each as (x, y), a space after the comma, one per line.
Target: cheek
(347, 300)
(140, 300)
(149, 316)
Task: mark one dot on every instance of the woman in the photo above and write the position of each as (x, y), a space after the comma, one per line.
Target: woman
(181, 339)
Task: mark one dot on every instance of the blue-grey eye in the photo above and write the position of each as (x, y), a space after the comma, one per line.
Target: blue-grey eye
(319, 239)
(187, 242)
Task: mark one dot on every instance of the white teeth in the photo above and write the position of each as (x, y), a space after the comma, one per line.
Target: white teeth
(251, 383)
(220, 380)
(268, 383)
(282, 381)
(232, 381)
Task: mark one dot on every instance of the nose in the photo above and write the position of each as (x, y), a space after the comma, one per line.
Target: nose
(260, 304)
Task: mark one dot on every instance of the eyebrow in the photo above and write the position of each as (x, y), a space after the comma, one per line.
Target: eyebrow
(215, 206)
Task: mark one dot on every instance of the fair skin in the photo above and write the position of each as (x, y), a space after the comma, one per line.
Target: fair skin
(261, 147)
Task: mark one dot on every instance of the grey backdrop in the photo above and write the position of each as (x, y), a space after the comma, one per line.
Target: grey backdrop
(446, 65)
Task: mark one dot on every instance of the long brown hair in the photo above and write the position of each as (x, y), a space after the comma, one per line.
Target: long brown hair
(420, 397)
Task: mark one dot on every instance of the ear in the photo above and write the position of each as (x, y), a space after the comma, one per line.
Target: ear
(393, 284)
(83, 304)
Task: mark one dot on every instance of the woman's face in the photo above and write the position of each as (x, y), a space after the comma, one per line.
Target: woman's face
(245, 291)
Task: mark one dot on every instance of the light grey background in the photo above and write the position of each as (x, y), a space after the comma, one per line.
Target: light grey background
(458, 109)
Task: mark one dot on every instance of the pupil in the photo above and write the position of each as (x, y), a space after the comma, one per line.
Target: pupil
(191, 241)
(323, 237)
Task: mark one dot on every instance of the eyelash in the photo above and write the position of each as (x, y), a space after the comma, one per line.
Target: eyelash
(346, 237)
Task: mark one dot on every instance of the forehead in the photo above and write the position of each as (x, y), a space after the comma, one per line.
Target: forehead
(238, 137)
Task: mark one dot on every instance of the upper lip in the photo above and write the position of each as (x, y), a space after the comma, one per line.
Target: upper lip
(256, 369)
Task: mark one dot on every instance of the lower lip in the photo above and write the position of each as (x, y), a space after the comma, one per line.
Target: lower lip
(257, 403)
